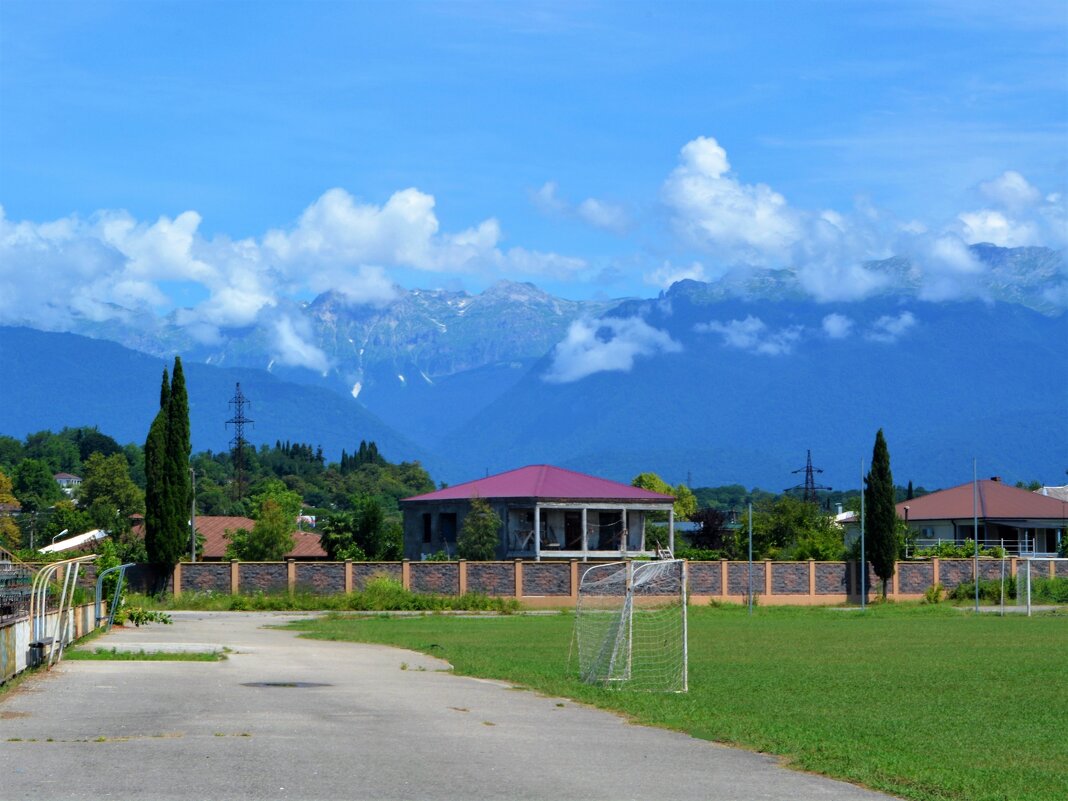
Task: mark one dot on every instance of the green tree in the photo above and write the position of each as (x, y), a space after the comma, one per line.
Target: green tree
(365, 533)
(789, 528)
(179, 494)
(480, 533)
(65, 515)
(880, 516)
(10, 536)
(274, 490)
(161, 551)
(271, 537)
(685, 501)
(108, 493)
(35, 486)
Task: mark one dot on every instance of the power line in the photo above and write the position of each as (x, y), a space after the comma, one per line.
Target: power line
(238, 443)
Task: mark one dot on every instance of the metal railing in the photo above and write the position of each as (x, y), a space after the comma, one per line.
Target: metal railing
(39, 607)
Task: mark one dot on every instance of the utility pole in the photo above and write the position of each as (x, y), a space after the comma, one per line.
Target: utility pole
(193, 518)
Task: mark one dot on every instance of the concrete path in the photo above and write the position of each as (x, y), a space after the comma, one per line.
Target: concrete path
(375, 723)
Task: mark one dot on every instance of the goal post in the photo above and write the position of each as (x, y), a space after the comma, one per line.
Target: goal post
(1041, 579)
(630, 625)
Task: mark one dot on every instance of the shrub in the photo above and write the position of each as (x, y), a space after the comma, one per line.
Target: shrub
(989, 590)
(933, 594)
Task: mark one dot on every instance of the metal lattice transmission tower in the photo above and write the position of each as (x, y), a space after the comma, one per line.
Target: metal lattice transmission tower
(238, 443)
(809, 488)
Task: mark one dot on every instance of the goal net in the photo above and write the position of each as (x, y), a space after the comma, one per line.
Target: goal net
(1041, 581)
(630, 625)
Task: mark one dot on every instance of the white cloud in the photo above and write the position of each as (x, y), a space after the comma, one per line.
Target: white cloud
(592, 211)
(753, 334)
(712, 209)
(987, 225)
(949, 270)
(837, 326)
(668, 274)
(1011, 190)
(291, 346)
(604, 215)
(594, 346)
(54, 273)
(889, 329)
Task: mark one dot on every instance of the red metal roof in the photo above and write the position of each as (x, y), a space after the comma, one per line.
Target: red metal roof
(544, 482)
(213, 527)
(995, 501)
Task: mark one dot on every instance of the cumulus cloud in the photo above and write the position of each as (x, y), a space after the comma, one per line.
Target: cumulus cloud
(1011, 190)
(837, 326)
(949, 269)
(668, 274)
(888, 329)
(754, 335)
(594, 346)
(592, 211)
(56, 273)
(291, 346)
(713, 209)
(1017, 215)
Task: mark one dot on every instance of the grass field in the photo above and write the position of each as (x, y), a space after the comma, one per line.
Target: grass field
(926, 702)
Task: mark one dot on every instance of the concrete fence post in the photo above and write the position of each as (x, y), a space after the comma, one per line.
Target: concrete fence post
(291, 575)
(348, 576)
(518, 578)
(574, 581)
(936, 571)
(176, 580)
(767, 578)
(235, 580)
(406, 574)
(896, 584)
(461, 576)
(811, 578)
(724, 577)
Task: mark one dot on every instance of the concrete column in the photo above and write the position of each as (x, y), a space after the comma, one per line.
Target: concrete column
(348, 576)
(585, 536)
(406, 574)
(894, 581)
(811, 578)
(537, 533)
(518, 578)
(724, 576)
(767, 577)
(235, 580)
(291, 574)
(624, 535)
(671, 530)
(462, 576)
(574, 581)
(177, 580)
(936, 574)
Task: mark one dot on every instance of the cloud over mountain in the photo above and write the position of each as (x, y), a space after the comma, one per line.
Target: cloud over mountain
(607, 344)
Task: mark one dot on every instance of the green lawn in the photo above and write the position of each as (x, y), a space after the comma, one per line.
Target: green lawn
(926, 702)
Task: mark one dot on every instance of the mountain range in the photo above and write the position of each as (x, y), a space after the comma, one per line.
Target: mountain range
(725, 382)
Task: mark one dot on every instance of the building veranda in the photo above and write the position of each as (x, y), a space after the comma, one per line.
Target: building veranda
(546, 512)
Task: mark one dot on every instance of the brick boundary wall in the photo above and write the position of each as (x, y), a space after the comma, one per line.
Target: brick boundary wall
(552, 583)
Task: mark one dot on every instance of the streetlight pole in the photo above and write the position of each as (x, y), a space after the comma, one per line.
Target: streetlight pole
(193, 519)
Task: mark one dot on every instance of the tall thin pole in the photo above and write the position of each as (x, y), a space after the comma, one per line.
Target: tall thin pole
(863, 561)
(193, 518)
(750, 557)
(975, 528)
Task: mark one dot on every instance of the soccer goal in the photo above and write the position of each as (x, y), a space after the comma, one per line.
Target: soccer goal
(1041, 580)
(630, 625)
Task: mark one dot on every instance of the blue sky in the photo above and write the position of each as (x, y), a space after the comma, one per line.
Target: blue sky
(226, 156)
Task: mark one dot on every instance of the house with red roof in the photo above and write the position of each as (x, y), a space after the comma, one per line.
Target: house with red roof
(1018, 520)
(212, 528)
(546, 513)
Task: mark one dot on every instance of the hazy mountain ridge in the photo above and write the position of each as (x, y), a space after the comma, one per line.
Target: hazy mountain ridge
(753, 377)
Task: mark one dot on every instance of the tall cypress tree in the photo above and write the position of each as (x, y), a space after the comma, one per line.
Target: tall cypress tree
(880, 516)
(155, 481)
(177, 463)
